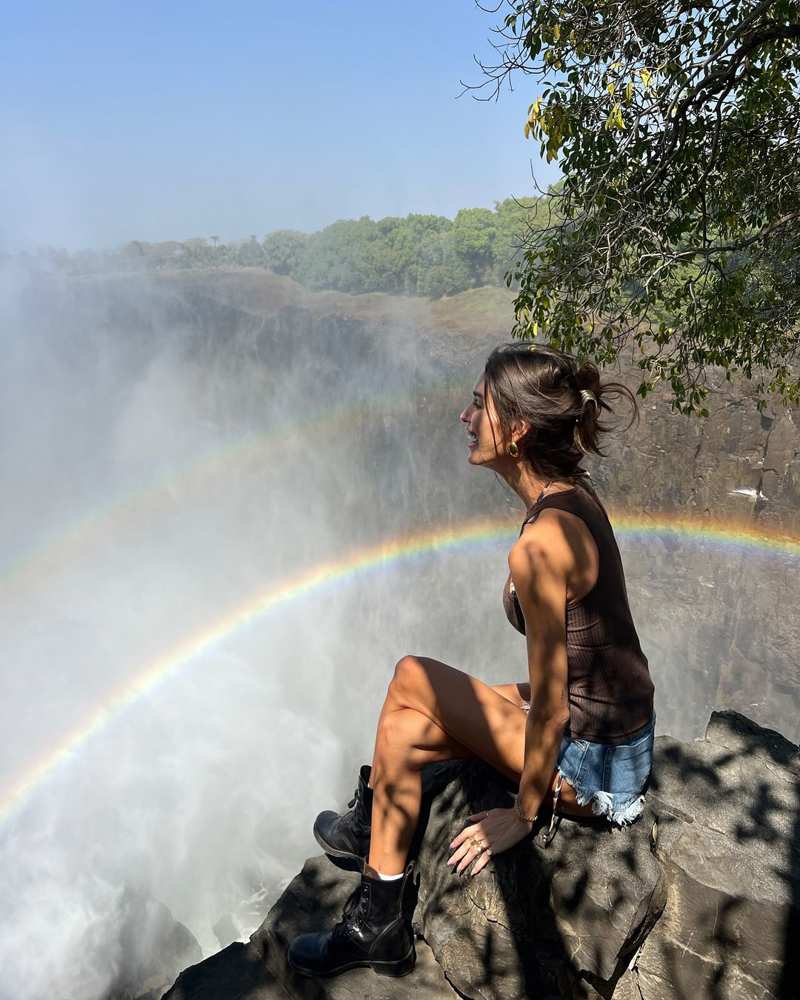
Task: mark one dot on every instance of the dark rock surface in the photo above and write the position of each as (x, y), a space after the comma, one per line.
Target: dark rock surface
(729, 848)
(698, 899)
(539, 916)
(258, 970)
(149, 958)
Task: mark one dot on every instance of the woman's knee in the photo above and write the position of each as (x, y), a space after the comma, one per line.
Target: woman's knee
(518, 694)
(410, 676)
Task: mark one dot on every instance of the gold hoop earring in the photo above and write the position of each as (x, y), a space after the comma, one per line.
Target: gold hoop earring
(513, 450)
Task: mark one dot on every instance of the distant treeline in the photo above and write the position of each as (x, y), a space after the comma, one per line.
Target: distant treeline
(419, 255)
(426, 255)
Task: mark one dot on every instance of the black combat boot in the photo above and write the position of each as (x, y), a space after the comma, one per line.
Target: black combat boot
(346, 836)
(374, 931)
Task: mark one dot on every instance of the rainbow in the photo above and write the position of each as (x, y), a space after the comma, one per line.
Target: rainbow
(727, 534)
(464, 536)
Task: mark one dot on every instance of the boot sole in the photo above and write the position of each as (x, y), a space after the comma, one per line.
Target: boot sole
(401, 967)
(336, 852)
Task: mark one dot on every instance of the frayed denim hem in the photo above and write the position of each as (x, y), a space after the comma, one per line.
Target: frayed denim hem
(603, 804)
(606, 804)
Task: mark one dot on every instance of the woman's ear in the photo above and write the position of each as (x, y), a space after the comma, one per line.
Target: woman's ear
(519, 429)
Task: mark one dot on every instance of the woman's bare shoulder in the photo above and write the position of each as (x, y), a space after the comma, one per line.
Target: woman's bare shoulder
(541, 544)
(557, 539)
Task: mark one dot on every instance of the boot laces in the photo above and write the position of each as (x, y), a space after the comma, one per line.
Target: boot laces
(351, 909)
(360, 816)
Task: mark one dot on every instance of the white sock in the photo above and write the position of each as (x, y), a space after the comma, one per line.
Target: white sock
(389, 878)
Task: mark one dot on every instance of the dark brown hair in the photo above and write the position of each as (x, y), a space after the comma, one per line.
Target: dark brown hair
(542, 386)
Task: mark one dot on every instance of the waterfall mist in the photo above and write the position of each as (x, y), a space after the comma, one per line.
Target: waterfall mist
(164, 459)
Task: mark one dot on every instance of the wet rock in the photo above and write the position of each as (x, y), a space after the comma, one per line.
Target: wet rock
(237, 971)
(314, 901)
(153, 946)
(259, 970)
(699, 899)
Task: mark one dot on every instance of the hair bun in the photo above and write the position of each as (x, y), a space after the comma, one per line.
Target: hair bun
(550, 390)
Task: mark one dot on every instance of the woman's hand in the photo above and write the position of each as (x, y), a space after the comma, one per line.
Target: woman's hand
(498, 829)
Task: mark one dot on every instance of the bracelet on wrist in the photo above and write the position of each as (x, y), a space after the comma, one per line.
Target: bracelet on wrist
(521, 815)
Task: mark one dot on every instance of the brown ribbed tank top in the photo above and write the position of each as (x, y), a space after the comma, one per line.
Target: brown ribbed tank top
(609, 686)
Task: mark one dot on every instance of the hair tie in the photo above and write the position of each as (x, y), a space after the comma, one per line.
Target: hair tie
(588, 396)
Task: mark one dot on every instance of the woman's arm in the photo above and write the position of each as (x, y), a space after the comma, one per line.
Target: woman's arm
(541, 563)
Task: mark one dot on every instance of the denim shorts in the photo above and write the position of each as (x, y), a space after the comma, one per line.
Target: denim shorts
(610, 777)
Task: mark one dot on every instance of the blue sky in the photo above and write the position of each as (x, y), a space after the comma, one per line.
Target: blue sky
(170, 120)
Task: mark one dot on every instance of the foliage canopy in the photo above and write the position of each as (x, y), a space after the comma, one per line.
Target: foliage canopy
(676, 229)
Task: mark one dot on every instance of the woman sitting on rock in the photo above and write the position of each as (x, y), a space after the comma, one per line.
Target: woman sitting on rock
(577, 738)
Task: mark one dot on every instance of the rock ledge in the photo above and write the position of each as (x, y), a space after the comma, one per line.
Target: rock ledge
(700, 898)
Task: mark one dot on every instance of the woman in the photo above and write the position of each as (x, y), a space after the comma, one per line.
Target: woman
(577, 737)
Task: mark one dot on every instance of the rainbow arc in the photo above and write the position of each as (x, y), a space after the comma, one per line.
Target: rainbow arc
(337, 572)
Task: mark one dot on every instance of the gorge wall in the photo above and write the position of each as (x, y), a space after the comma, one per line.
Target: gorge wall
(708, 610)
(700, 898)
(177, 452)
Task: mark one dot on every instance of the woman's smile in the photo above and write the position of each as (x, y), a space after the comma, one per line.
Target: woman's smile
(473, 417)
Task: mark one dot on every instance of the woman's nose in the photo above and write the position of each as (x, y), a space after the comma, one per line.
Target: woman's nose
(464, 416)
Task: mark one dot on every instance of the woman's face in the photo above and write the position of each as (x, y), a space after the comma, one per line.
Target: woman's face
(480, 420)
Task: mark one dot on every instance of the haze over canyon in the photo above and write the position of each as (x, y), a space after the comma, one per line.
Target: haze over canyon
(200, 471)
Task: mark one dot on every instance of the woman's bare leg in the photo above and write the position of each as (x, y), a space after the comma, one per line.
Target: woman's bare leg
(434, 712)
(519, 694)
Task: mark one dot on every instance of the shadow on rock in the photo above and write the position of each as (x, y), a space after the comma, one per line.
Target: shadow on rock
(698, 900)
(727, 846)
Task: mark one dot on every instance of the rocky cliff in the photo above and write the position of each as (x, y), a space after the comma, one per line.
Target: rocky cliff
(270, 430)
(699, 899)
